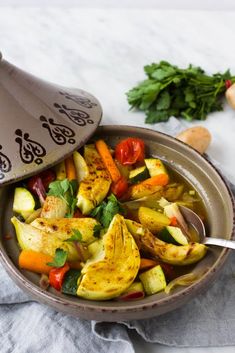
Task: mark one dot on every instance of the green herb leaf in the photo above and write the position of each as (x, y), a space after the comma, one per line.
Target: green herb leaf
(59, 258)
(56, 188)
(76, 236)
(66, 190)
(164, 101)
(105, 212)
(156, 116)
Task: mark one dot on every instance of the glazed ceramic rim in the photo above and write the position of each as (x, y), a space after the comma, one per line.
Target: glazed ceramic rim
(133, 307)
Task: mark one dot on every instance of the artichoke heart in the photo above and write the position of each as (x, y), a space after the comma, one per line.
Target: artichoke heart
(64, 227)
(110, 275)
(94, 188)
(173, 254)
(32, 238)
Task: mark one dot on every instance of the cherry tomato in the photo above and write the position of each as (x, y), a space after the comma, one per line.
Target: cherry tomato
(120, 187)
(56, 276)
(130, 151)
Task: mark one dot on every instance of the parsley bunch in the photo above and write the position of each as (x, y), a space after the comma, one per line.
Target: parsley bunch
(171, 91)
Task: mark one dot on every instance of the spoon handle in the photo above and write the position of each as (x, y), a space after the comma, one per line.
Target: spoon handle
(220, 242)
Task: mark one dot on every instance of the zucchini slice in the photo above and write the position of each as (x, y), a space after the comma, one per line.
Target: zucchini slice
(155, 166)
(173, 235)
(70, 283)
(138, 174)
(23, 203)
(153, 280)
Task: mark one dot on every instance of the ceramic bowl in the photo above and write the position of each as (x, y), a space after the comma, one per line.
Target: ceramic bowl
(203, 177)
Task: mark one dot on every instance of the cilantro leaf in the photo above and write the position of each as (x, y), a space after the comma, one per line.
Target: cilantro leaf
(76, 236)
(59, 258)
(156, 116)
(72, 202)
(164, 101)
(105, 212)
(66, 190)
(56, 188)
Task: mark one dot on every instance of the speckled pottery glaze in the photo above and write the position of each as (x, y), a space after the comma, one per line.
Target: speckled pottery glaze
(218, 201)
(41, 123)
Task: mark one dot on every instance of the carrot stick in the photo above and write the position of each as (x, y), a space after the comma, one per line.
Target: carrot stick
(146, 264)
(108, 161)
(70, 168)
(35, 261)
(146, 185)
(174, 222)
(160, 179)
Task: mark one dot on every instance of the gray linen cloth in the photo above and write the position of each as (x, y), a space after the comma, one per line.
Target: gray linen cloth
(29, 327)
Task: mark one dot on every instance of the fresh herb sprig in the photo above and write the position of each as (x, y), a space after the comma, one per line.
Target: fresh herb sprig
(76, 236)
(66, 190)
(59, 259)
(171, 91)
(105, 212)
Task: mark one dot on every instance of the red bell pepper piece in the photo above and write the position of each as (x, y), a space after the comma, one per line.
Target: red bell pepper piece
(56, 276)
(120, 187)
(131, 296)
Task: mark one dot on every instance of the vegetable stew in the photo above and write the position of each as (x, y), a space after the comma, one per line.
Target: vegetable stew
(106, 224)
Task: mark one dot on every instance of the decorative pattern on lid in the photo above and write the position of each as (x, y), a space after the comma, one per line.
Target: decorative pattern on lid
(41, 123)
(5, 164)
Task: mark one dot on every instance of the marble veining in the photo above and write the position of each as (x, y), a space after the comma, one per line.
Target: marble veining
(103, 51)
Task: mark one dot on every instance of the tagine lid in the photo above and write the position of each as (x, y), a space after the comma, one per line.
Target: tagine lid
(41, 123)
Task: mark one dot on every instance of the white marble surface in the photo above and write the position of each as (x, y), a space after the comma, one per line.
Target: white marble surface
(103, 51)
(211, 5)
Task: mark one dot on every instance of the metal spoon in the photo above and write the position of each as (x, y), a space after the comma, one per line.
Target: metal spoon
(192, 218)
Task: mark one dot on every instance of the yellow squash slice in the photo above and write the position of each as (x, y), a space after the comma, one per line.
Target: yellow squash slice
(94, 188)
(32, 238)
(113, 272)
(173, 254)
(54, 207)
(65, 227)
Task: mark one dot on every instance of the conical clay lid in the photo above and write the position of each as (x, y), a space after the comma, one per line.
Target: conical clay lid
(40, 123)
